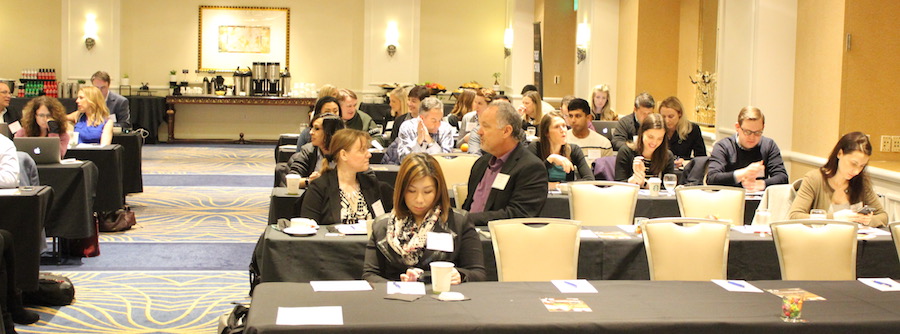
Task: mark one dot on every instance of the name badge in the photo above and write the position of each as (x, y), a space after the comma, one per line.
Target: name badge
(500, 181)
(377, 208)
(439, 242)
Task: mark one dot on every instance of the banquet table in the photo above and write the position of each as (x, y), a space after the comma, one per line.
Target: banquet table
(74, 185)
(24, 212)
(132, 175)
(284, 258)
(618, 306)
(147, 112)
(109, 195)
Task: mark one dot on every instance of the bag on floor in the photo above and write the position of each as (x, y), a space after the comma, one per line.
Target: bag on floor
(234, 321)
(86, 247)
(116, 221)
(53, 290)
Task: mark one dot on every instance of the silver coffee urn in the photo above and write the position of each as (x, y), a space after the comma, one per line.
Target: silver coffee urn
(258, 81)
(274, 81)
(285, 82)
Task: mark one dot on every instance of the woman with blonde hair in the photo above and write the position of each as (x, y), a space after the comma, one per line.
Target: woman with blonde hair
(399, 247)
(45, 116)
(91, 120)
(345, 193)
(327, 90)
(531, 109)
(601, 105)
(397, 99)
(463, 106)
(684, 137)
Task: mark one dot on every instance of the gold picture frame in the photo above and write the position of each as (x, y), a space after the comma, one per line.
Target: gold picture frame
(232, 36)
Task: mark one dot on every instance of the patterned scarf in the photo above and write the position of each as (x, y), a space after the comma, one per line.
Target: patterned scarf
(408, 240)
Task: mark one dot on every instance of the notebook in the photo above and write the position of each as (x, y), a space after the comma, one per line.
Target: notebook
(44, 150)
(605, 128)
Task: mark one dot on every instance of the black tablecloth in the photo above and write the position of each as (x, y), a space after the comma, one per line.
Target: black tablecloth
(24, 215)
(284, 258)
(19, 102)
(620, 306)
(108, 159)
(132, 174)
(557, 206)
(384, 173)
(74, 186)
(147, 112)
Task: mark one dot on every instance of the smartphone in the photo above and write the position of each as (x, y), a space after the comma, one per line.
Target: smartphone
(865, 210)
(53, 126)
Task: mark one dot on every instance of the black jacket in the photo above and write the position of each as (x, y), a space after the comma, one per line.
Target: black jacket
(525, 192)
(322, 199)
(581, 172)
(384, 264)
(305, 160)
(625, 131)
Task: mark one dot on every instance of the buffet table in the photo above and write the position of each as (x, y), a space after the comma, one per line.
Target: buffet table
(173, 101)
(619, 306)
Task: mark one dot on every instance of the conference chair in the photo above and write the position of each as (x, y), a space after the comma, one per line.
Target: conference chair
(777, 200)
(895, 233)
(535, 249)
(460, 192)
(456, 166)
(816, 250)
(602, 203)
(723, 203)
(697, 250)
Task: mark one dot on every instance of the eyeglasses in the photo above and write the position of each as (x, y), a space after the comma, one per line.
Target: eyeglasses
(752, 133)
(5, 92)
(42, 115)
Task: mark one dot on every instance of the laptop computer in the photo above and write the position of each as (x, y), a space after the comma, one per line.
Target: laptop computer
(44, 150)
(605, 128)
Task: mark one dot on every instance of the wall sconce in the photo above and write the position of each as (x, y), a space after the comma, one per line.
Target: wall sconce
(507, 42)
(391, 38)
(90, 31)
(582, 38)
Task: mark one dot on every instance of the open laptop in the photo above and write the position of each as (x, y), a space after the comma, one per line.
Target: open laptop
(605, 128)
(44, 150)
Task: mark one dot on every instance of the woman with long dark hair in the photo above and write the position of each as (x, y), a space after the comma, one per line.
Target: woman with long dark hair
(564, 162)
(842, 184)
(648, 157)
(45, 116)
(307, 162)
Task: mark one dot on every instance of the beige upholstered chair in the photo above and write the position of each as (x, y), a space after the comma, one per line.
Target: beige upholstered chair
(602, 203)
(725, 203)
(895, 233)
(696, 251)
(456, 166)
(822, 250)
(460, 192)
(535, 249)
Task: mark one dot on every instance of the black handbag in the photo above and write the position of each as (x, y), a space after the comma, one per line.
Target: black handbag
(53, 290)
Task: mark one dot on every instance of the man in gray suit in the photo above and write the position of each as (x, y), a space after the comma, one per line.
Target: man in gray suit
(117, 104)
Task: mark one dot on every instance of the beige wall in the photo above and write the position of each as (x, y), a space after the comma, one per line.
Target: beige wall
(628, 46)
(461, 41)
(688, 63)
(23, 23)
(559, 48)
(818, 75)
(657, 51)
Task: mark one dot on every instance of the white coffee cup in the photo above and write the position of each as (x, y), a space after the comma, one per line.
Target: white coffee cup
(293, 183)
(73, 139)
(440, 276)
(654, 184)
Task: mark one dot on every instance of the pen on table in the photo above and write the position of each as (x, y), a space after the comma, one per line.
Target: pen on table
(883, 283)
(397, 285)
(572, 284)
(736, 284)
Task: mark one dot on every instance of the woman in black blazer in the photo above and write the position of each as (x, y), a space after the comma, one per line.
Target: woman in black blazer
(346, 193)
(400, 248)
(307, 162)
(564, 162)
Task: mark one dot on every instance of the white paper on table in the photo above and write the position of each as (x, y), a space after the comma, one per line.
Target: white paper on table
(14, 127)
(351, 229)
(574, 286)
(9, 192)
(88, 146)
(750, 229)
(883, 284)
(406, 288)
(628, 228)
(587, 234)
(69, 161)
(357, 285)
(644, 192)
(319, 315)
(736, 285)
(873, 231)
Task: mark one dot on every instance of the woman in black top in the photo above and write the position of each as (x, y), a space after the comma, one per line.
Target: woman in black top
(307, 161)
(684, 137)
(325, 105)
(346, 193)
(564, 162)
(402, 244)
(648, 157)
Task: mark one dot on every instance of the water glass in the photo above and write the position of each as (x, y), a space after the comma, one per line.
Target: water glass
(763, 217)
(670, 181)
(530, 131)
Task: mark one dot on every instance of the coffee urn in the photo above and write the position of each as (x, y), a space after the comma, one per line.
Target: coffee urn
(286, 82)
(258, 80)
(274, 81)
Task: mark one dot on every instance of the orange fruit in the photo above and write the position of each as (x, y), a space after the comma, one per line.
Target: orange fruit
(464, 147)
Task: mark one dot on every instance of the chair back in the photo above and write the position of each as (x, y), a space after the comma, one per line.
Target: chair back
(535, 249)
(777, 200)
(820, 250)
(725, 203)
(461, 193)
(696, 251)
(456, 166)
(602, 203)
(895, 233)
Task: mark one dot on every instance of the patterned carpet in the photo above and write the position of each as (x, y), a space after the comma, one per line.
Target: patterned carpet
(209, 159)
(144, 302)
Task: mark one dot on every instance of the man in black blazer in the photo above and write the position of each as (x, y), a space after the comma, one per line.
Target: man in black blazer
(628, 125)
(9, 115)
(507, 181)
(117, 104)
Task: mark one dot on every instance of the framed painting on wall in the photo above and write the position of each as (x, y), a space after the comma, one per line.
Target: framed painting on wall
(229, 37)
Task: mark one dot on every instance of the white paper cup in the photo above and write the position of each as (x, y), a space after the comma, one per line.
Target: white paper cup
(293, 183)
(440, 276)
(654, 184)
(73, 139)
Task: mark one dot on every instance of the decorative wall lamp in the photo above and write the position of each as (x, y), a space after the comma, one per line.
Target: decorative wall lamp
(90, 31)
(391, 38)
(507, 42)
(582, 37)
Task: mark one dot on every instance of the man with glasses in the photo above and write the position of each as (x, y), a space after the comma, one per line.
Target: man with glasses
(428, 132)
(747, 159)
(117, 104)
(9, 116)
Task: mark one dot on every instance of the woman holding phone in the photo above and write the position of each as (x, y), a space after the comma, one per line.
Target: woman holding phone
(648, 157)
(841, 187)
(45, 116)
